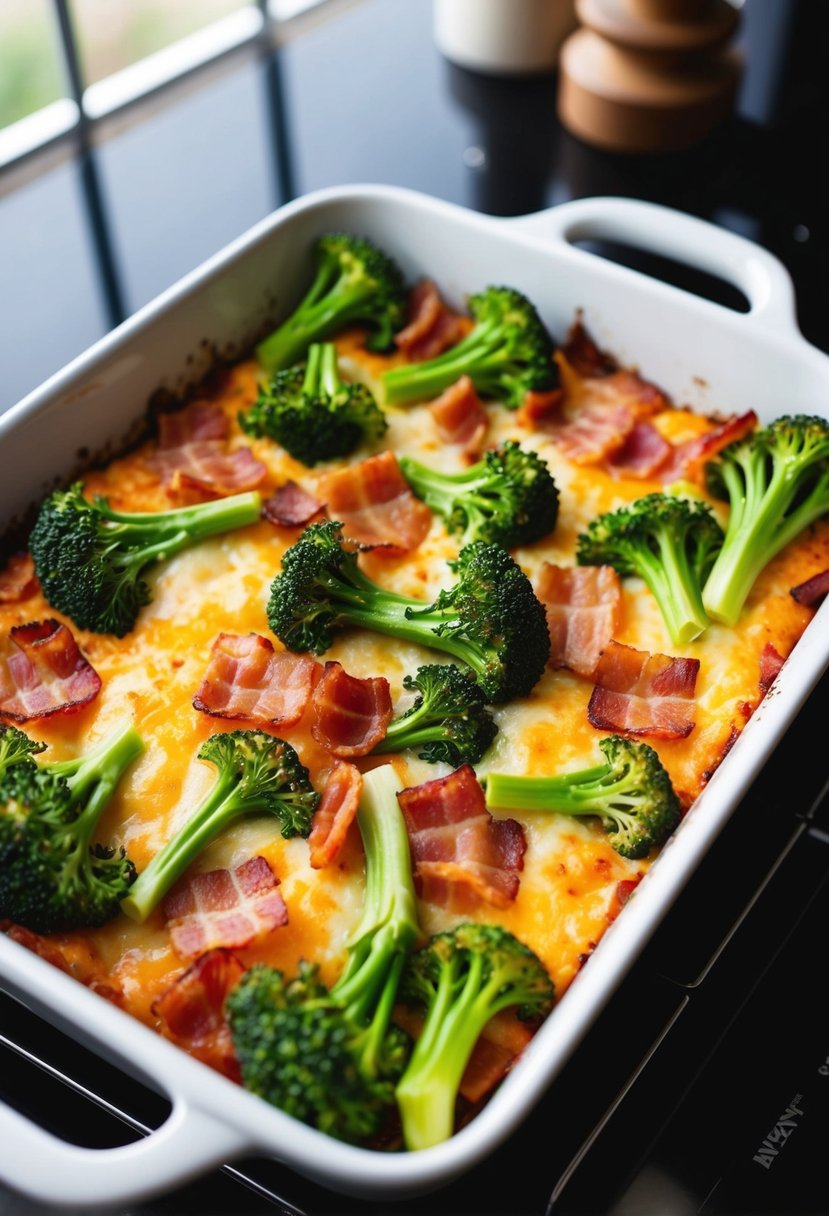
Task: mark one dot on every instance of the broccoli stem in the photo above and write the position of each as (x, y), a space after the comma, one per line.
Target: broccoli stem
(388, 927)
(675, 588)
(426, 1093)
(584, 793)
(758, 528)
(165, 533)
(474, 355)
(93, 777)
(324, 309)
(412, 732)
(389, 919)
(475, 485)
(213, 814)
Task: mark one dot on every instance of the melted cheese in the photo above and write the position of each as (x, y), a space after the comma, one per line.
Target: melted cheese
(568, 885)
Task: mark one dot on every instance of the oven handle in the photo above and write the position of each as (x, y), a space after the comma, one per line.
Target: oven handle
(52, 1171)
(761, 277)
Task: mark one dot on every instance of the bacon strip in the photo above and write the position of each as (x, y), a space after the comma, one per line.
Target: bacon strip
(43, 672)
(290, 506)
(462, 856)
(246, 679)
(627, 388)
(643, 694)
(815, 589)
(335, 813)
(622, 894)
(594, 432)
(77, 957)
(18, 580)
(460, 415)
(642, 454)
(583, 607)
(349, 716)
(583, 355)
(375, 504)
(191, 1010)
(539, 408)
(224, 908)
(192, 453)
(198, 422)
(689, 459)
(432, 327)
(771, 662)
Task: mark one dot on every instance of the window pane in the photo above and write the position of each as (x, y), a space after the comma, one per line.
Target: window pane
(112, 36)
(31, 65)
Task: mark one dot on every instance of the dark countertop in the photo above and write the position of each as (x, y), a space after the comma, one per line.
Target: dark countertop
(99, 232)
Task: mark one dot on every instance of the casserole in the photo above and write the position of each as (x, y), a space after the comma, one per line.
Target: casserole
(700, 352)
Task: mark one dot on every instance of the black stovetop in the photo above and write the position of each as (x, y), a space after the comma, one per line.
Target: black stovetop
(699, 1089)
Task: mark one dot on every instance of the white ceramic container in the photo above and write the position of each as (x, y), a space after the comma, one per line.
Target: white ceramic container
(701, 352)
(503, 37)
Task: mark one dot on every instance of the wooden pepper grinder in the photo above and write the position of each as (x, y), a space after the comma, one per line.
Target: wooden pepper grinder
(648, 75)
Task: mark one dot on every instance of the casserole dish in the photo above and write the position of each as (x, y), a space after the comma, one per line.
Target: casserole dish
(700, 352)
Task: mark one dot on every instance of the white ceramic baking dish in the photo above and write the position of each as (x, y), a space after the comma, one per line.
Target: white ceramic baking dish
(701, 352)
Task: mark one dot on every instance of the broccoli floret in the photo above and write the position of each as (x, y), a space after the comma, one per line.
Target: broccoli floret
(332, 1057)
(490, 619)
(448, 720)
(461, 979)
(52, 877)
(631, 793)
(506, 354)
(354, 281)
(15, 748)
(508, 498)
(90, 559)
(256, 773)
(777, 482)
(669, 542)
(313, 413)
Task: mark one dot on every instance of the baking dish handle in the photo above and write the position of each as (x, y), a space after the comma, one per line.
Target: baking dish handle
(52, 1171)
(763, 280)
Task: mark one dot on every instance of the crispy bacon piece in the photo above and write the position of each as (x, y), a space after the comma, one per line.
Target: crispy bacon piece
(642, 454)
(191, 1010)
(770, 663)
(77, 957)
(349, 715)
(539, 408)
(643, 694)
(335, 813)
(594, 432)
(46, 948)
(248, 680)
(375, 504)
(500, 1044)
(461, 855)
(192, 453)
(622, 894)
(460, 415)
(18, 580)
(432, 327)
(290, 506)
(224, 908)
(583, 606)
(583, 355)
(810, 593)
(43, 672)
(198, 422)
(625, 387)
(689, 459)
